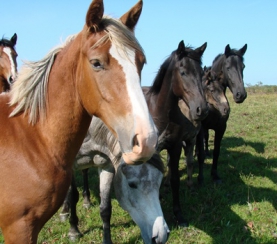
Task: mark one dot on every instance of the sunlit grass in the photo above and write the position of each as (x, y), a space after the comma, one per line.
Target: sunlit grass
(240, 210)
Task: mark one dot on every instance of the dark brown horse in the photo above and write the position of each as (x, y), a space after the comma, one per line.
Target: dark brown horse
(48, 111)
(230, 65)
(8, 64)
(179, 79)
(193, 135)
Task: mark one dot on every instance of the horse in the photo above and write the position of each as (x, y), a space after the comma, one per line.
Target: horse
(193, 136)
(231, 65)
(48, 111)
(8, 64)
(137, 187)
(178, 79)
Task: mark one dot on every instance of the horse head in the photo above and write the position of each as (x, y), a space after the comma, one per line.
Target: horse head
(8, 64)
(137, 191)
(232, 66)
(111, 60)
(187, 76)
(215, 92)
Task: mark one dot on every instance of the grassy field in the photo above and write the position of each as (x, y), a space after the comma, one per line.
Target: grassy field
(240, 210)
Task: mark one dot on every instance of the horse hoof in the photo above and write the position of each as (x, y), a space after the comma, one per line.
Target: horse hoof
(64, 217)
(86, 205)
(74, 236)
(183, 224)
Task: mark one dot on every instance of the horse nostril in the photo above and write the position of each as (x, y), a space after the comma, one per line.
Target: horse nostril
(135, 141)
(198, 111)
(238, 94)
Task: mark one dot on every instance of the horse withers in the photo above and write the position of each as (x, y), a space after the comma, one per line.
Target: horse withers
(8, 64)
(136, 187)
(50, 107)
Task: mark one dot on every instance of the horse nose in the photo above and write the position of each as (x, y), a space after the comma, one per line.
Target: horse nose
(155, 240)
(142, 149)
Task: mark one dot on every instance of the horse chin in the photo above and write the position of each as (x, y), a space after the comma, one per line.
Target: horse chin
(132, 159)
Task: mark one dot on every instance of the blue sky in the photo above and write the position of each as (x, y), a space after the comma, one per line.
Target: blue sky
(41, 25)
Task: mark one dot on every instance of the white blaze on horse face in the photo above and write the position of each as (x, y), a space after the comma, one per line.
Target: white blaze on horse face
(144, 129)
(8, 51)
(127, 61)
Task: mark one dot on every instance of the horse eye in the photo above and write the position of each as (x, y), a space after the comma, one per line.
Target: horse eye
(132, 185)
(183, 73)
(96, 64)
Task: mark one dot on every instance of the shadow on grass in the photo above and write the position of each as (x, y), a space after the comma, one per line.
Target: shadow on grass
(209, 208)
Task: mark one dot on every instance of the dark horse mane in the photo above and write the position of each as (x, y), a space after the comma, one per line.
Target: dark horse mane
(102, 131)
(6, 43)
(189, 52)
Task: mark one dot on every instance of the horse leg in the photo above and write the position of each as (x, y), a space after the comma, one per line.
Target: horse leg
(206, 142)
(74, 232)
(86, 192)
(168, 175)
(106, 179)
(188, 148)
(174, 154)
(21, 232)
(217, 141)
(64, 214)
(200, 155)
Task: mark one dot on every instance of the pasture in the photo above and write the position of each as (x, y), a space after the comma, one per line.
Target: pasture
(240, 210)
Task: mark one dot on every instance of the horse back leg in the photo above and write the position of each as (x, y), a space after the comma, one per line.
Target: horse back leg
(106, 179)
(74, 232)
(86, 192)
(217, 143)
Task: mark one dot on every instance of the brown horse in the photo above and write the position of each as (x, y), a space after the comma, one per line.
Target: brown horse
(49, 109)
(8, 64)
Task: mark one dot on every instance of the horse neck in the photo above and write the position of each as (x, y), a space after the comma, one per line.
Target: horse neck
(66, 120)
(161, 103)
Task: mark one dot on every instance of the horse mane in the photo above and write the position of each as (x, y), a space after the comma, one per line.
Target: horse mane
(156, 162)
(6, 43)
(29, 91)
(158, 81)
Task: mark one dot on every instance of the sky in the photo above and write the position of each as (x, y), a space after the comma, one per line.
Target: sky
(41, 25)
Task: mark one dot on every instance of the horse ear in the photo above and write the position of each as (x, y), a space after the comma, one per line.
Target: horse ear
(227, 50)
(243, 50)
(181, 49)
(201, 49)
(14, 39)
(131, 17)
(95, 13)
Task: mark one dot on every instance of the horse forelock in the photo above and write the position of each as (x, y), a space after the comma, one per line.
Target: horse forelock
(28, 93)
(192, 54)
(7, 43)
(119, 35)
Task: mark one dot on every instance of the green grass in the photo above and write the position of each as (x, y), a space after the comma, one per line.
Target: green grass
(240, 210)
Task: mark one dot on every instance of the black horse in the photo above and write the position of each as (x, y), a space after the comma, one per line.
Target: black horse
(230, 65)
